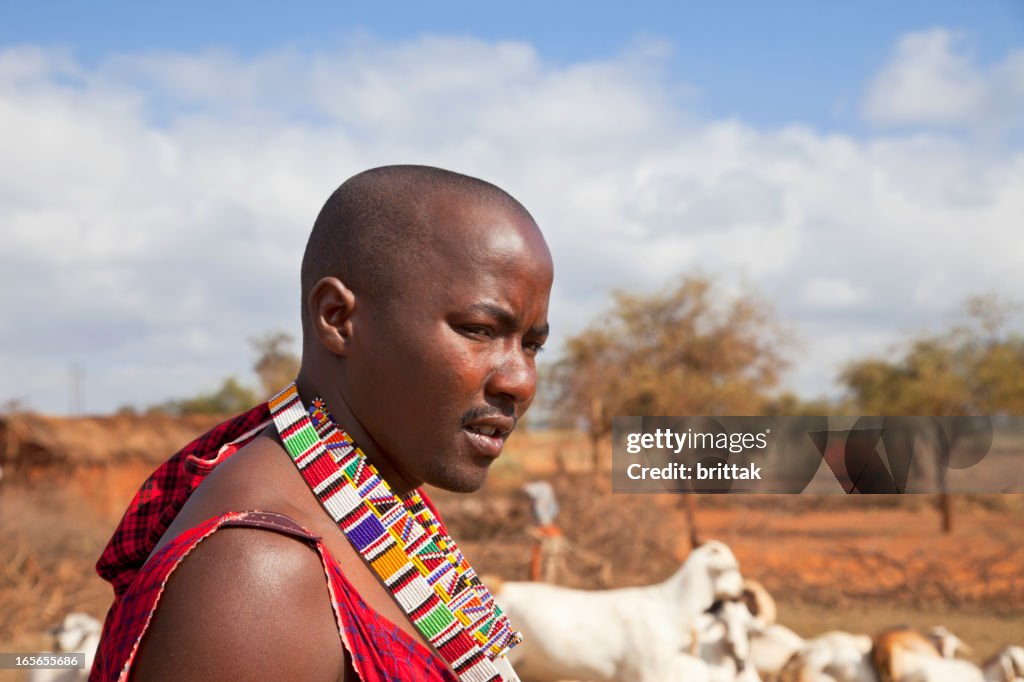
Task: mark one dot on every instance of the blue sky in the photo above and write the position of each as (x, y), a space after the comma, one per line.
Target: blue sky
(770, 63)
(861, 168)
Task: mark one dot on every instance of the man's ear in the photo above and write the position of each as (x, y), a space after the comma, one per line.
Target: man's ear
(331, 305)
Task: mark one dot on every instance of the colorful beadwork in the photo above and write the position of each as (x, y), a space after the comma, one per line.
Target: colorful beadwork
(401, 540)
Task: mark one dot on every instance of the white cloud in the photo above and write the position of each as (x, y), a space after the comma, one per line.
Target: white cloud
(833, 293)
(155, 207)
(825, 347)
(932, 79)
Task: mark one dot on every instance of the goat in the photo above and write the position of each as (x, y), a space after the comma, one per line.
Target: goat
(1006, 666)
(630, 634)
(722, 640)
(832, 657)
(948, 644)
(78, 633)
(760, 603)
(903, 655)
(771, 646)
(689, 668)
(890, 649)
(921, 667)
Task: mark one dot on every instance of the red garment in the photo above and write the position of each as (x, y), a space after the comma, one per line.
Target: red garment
(164, 493)
(380, 651)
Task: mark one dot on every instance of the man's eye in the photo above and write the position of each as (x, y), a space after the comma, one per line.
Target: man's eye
(534, 347)
(476, 330)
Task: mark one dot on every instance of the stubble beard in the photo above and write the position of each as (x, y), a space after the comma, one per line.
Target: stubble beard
(446, 473)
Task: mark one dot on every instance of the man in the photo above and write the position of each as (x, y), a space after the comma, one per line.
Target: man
(425, 298)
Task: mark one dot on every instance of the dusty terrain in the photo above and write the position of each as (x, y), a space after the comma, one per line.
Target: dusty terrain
(831, 561)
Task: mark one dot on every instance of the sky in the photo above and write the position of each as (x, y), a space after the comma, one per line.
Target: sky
(861, 167)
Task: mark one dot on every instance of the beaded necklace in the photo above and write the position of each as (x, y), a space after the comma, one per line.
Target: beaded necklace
(401, 540)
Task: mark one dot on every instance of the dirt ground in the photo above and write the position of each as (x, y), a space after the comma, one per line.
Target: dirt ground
(832, 562)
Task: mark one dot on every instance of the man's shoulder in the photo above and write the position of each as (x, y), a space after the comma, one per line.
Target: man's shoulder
(167, 489)
(245, 603)
(259, 476)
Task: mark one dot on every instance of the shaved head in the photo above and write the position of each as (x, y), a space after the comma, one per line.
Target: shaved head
(425, 303)
(370, 230)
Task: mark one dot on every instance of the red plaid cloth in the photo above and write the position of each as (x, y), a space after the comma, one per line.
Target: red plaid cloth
(163, 495)
(380, 651)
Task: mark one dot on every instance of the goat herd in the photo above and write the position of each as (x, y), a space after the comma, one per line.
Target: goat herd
(704, 624)
(707, 624)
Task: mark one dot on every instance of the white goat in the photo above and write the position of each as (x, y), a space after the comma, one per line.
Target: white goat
(78, 633)
(687, 668)
(633, 634)
(948, 644)
(1006, 666)
(772, 646)
(722, 640)
(832, 657)
(759, 601)
(921, 667)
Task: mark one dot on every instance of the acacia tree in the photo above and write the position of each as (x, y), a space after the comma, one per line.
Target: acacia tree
(276, 365)
(976, 368)
(688, 350)
(231, 397)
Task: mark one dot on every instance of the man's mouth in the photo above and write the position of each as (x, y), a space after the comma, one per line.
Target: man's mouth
(488, 435)
(485, 430)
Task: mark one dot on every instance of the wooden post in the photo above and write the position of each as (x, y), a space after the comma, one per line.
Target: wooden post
(690, 508)
(946, 509)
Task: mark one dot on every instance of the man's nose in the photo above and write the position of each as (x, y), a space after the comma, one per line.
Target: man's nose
(514, 377)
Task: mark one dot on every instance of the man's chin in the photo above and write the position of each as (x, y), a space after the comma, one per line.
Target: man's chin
(466, 479)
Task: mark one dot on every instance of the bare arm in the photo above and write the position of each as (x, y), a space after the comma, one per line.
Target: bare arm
(244, 604)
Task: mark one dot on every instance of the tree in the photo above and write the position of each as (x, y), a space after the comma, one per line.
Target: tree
(231, 397)
(788, 404)
(976, 368)
(275, 365)
(687, 351)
